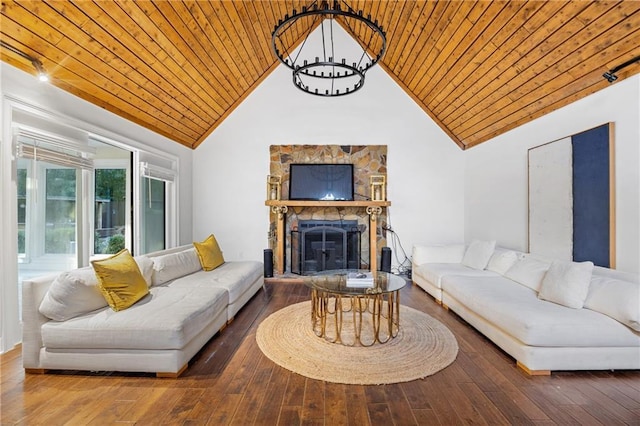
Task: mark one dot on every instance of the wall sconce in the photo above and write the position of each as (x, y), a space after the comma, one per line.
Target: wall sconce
(273, 187)
(378, 187)
(37, 64)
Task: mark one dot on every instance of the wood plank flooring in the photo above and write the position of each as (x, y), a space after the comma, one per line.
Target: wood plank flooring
(231, 382)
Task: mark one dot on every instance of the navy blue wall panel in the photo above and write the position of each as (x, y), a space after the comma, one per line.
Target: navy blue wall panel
(591, 221)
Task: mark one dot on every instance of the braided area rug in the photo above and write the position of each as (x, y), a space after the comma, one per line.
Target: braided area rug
(423, 347)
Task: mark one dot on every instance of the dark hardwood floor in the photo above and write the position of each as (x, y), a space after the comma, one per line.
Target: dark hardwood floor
(231, 382)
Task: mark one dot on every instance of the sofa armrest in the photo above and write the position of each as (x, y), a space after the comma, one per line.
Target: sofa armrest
(449, 253)
(33, 291)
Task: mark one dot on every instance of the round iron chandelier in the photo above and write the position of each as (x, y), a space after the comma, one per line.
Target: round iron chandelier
(317, 68)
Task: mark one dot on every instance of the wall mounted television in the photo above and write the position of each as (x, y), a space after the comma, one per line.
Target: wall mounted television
(321, 182)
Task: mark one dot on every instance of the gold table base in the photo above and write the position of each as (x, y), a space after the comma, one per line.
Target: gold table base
(328, 310)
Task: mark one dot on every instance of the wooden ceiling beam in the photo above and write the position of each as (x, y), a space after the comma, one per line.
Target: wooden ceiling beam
(196, 49)
(583, 74)
(169, 40)
(557, 62)
(126, 44)
(58, 61)
(467, 93)
(441, 42)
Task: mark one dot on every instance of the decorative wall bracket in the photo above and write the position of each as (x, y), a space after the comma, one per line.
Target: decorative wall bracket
(279, 210)
(373, 212)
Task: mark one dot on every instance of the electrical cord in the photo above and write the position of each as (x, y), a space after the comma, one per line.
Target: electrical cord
(404, 265)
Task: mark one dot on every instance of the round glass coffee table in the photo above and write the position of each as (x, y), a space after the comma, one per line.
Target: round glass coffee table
(354, 307)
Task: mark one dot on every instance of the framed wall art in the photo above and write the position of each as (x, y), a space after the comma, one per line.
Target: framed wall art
(572, 198)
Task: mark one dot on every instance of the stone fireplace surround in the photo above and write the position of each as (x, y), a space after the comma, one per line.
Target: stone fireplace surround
(367, 160)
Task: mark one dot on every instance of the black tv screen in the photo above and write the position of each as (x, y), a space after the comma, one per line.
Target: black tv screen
(321, 182)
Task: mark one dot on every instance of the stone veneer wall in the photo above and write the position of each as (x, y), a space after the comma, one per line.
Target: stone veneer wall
(367, 160)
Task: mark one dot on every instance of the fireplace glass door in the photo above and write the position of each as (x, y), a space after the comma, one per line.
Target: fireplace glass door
(320, 248)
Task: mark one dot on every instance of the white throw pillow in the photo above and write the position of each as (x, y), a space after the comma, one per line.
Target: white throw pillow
(567, 283)
(76, 292)
(502, 260)
(146, 268)
(478, 254)
(450, 253)
(528, 271)
(71, 294)
(615, 298)
(175, 265)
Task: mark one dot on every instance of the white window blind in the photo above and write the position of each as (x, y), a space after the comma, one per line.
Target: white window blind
(153, 171)
(53, 149)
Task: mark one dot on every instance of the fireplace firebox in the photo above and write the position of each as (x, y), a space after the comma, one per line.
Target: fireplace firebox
(319, 245)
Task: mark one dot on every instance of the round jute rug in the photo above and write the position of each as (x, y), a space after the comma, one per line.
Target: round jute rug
(423, 347)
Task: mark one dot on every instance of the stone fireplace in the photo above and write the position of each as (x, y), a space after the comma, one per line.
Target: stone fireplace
(367, 160)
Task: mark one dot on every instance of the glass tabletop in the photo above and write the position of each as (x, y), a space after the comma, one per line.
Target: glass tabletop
(354, 282)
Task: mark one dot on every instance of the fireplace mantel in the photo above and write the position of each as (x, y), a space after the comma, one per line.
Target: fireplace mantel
(307, 203)
(280, 208)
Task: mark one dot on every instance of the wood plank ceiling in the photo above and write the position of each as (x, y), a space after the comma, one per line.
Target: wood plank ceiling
(179, 68)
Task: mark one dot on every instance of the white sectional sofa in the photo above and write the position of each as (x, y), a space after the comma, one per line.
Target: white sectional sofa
(185, 307)
(536, 309)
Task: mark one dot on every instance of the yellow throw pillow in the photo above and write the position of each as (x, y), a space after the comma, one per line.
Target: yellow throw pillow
(121, 282)
(209, 253)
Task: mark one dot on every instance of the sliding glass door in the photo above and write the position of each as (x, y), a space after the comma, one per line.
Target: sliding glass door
(153, 217)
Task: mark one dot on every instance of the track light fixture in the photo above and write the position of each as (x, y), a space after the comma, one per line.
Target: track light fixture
(37, 64)
(611, 74)
(317, 67)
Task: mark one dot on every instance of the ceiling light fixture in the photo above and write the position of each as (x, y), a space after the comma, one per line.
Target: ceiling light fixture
(611, 74)
(317, 68)
(41, 73)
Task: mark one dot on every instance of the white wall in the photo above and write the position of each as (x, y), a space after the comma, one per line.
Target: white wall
(496, 171)
(425, 168)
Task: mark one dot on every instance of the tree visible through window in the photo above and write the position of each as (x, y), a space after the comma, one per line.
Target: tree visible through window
(60, 211)
(110, 210)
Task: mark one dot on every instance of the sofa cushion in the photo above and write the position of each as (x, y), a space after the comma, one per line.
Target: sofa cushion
(433, 272)
(567, 283)
(71, 294)
(121, 281)
(528, 271)
(76, 292)
(167, 318)
(615, 298)
(451, 253)
(517, 311)
(145, 265)
(478, 254)
(502, 260)
(234, 277)
(175, 265)
(209, 253)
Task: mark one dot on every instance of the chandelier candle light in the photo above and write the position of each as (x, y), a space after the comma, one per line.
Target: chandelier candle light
(317, 68)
